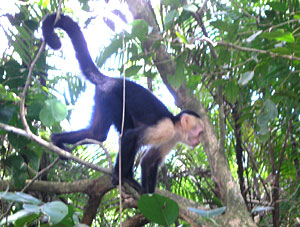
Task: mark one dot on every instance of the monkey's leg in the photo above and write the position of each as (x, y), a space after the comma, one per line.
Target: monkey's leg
(150, 165)
(129, 148)
(98, 130)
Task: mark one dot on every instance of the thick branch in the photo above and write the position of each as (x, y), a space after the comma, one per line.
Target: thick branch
(136, 221)
(88, 186)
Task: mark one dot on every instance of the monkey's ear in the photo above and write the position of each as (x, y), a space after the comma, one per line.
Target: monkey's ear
(184, 121)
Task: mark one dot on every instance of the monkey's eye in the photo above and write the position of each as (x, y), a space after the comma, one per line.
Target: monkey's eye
(200, 132)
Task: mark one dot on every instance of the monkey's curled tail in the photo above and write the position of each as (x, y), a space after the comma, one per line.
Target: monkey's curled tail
(86, 63)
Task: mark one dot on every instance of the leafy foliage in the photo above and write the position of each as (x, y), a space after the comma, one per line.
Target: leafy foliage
(242, 55)
(56, 210)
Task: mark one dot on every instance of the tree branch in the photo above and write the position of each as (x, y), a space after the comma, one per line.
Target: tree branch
(248, 49)
(88, 186)
(53, 148)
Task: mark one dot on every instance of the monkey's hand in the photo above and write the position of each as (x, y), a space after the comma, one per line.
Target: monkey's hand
(55, 141)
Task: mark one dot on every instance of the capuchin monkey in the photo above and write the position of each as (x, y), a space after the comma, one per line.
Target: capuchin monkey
(147, 121)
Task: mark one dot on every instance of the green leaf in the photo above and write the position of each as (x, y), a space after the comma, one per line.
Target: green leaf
(32, 208)
(15, 74)
(58, 109)
(267, 113)
(14, 162)
(174, 81)
(282, 50)
(183, 39)
(20, 215)
(19, 197)
(32, 155)
(7, 95)
(158, 209)
(71, 219)
(280, 35)
(6, 113)
(217, 83)
(26, 220)
(53, 111)
(208, 213)
(190, 8)
(278, 6)
(174, 3)
(245, 78)
(221, 25)
(35, 108)
(113, 48)
(261, 209)
(170, 17)
(55, 210)
(32, 24)
(133, 70)
(139, 29)
(232, 92)
(18, 178)
(46, 117)
(178, 78)
(252, 37)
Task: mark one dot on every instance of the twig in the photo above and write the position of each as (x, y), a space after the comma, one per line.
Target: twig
(23, 95)
(53, 148)
(244, 11)
(281, 24)
(198, 18)
(92, 141)
(121, 135)
(220, 101)
(272, 54)
(43, 171)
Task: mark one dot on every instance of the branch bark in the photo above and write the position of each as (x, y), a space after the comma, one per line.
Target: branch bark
(87, 186)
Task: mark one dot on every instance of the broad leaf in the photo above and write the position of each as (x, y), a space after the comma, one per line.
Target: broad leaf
(55, 210)
(261, 209)
(19, 197)
(140, 29)
(113, 48)
(174, 3)
(6, 113)
(190, 8)
(53, 111)
(158, 209)
(183, 39)
(280, 35)
(245, 78)
(133, 70)
(232, 92)
(208, 213)
(278, 6)
(268, 113)
(252, 37)
(19, 218)
(170, 17)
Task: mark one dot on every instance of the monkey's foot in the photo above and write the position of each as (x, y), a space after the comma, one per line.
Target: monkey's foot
(132, 183)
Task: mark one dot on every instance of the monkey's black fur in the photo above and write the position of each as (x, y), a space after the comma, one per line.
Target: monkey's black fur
(142, 110)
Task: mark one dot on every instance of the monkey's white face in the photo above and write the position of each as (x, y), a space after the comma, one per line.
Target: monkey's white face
(192, 129)
(193, 136)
